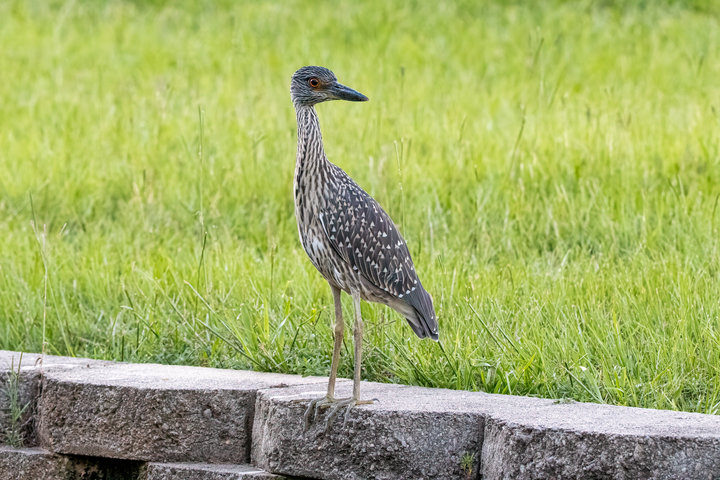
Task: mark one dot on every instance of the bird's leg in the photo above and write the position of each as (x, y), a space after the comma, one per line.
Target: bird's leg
(358, 333)
(358, 357)
(355, 400)
(339, 329)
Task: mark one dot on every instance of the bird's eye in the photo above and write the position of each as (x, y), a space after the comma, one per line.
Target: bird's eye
(314, 82)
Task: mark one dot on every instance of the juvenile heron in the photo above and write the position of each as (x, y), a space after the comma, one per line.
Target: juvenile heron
(347, 235)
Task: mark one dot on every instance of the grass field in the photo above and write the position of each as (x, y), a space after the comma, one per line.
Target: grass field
(554, 168)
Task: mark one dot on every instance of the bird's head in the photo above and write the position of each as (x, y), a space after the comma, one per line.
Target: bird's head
(311, 85)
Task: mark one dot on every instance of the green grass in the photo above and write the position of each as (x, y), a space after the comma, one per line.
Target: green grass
(12, 417)
(555, 169)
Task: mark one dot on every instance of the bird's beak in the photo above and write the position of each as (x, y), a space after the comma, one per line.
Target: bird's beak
(341, 92)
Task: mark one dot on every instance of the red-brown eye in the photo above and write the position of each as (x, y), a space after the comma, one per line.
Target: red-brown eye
(314, 82)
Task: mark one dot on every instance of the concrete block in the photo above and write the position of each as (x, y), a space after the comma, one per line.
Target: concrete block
(29, 368)
(205, 471)
(439, 434)
(131, 413)
(31, 464)
(412, 432)
(581, 440)
(153, 412)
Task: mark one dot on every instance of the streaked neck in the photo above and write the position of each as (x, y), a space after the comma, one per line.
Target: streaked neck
(310, 150)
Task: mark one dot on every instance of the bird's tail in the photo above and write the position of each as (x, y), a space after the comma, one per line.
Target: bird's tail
(424, 322)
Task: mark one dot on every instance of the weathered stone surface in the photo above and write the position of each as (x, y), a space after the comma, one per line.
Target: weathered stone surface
(431, 433)
(31, 464)
(10, 358)
(160, 413)
(205, 471)
(580, 440)
(417, 433)
(28, 369)
(153, 412)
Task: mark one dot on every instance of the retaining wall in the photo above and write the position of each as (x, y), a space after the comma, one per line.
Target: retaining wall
(87, 419)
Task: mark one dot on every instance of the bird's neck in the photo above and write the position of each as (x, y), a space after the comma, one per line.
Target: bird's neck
(310, 152)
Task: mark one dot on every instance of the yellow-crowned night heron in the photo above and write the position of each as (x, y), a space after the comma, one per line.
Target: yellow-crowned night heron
(347, 235)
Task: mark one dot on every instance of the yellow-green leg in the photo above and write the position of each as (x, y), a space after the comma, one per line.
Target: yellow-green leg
(329, 400)
(358, 334)
(355, 400)
(338, 329)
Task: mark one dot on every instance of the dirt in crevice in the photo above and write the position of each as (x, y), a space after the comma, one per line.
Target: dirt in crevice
(97, 468)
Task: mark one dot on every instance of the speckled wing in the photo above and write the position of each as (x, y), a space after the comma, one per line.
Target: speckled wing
(361, 232)
(365, 237)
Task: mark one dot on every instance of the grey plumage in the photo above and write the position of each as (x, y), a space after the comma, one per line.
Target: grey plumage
(349, 238)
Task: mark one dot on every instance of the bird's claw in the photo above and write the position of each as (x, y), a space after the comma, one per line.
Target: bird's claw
(335, 405)
(348, 403)
(312, 410)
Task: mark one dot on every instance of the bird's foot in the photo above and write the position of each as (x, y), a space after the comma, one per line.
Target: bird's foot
(314, 407)
(348, 403)
(335, 405)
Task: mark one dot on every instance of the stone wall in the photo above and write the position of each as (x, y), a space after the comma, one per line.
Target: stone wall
(87, 419)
